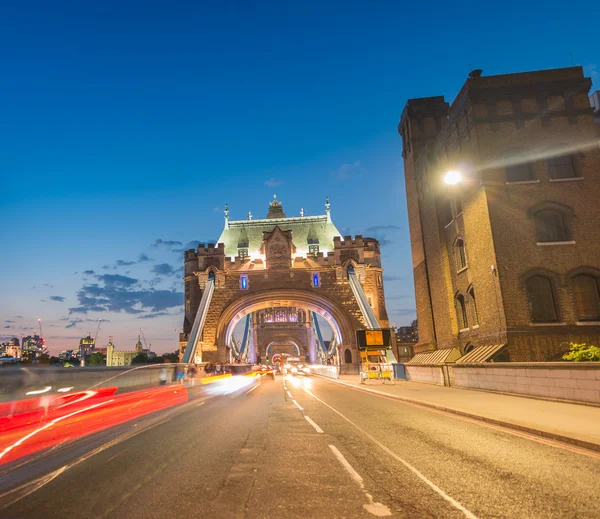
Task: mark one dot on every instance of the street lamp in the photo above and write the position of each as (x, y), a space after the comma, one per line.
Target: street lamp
(453, 177)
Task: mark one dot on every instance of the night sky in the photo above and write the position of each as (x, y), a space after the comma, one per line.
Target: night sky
(126, 127)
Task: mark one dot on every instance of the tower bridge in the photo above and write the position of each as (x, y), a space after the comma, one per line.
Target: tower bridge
(284, 277)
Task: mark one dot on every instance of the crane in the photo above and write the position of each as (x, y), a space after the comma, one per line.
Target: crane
(144, 338)
(40, 323)
(96, 335)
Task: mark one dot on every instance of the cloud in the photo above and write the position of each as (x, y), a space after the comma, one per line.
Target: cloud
(72, 324)
(143, 258)
(381, 233)
(273, 182)
(18, 317)
(152, 315)
(9, 321)
(403, 311)
(58, 299)
(349, 170)
(163, 269)
(392, 278)
(166, 243)
(48, 285)
(123, 263)
(116, 293)
(8, 326)
(89, 272)
(399, 296)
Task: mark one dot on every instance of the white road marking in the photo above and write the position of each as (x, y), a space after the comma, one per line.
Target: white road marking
(254, 388)
(416, 472)
(378, 509)
(289, 394)
(317, 428)
(201, 403)
(298, 405)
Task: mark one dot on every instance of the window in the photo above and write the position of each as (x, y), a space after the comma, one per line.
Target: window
(461, 312)
(313, 249)
(460, 254)
(316, 280)
(447, 212)
(469, 347)
(586, 292)
(541, 299)
(561, 167)
(347, 356)
(244, 282)
(474, 313)
(520, 172)
(550, 226)
(243, 253)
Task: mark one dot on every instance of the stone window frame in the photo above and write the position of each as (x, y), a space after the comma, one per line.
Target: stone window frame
(460, 254)
(462, 318)
(579, 271)
(473, 305)
(567, 213)
(315, 275)
(242, 278)
(555, 284)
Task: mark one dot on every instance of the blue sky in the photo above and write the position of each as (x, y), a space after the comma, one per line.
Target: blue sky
(124, 123)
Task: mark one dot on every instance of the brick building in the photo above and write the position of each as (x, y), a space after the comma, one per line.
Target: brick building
(510, 253)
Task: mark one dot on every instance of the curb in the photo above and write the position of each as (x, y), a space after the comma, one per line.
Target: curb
(537, 432)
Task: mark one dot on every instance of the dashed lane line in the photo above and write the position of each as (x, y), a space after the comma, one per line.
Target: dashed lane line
(415, 471)
(378, 509)
(317, 428)
(298, 405)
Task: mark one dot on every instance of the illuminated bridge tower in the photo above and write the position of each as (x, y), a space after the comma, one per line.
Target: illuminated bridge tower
(298, 265)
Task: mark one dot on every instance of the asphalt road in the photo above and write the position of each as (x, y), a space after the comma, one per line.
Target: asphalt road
(309, 448)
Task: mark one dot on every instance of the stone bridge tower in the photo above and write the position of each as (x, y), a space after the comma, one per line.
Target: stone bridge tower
(282, 262)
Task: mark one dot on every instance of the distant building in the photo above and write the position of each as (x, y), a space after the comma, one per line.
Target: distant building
(118, 358)
(32, 347)
(406, 338)
(11, 349)
(86, 346)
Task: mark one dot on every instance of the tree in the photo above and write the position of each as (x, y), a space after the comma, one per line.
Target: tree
(582, 353)
(171, 357)
(54, 360)
(96, 359)
(140, 358)
(44, 358)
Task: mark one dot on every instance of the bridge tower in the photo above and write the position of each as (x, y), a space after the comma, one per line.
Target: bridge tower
(300, 264)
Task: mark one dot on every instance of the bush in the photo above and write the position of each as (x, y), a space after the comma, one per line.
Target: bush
(582, 353)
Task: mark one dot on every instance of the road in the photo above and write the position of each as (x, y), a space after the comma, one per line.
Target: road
(304, 448)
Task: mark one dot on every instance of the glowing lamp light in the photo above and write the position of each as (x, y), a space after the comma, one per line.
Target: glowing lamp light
(453, 177)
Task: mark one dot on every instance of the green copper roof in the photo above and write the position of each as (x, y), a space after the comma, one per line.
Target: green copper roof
(306, 230)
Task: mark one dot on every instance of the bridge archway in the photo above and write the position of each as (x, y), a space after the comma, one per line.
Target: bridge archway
(321, 305)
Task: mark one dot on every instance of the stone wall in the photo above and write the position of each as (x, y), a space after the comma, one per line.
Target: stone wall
(427, 374)
(562, 380)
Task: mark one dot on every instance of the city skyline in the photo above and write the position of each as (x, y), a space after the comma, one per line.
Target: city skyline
(120, 153)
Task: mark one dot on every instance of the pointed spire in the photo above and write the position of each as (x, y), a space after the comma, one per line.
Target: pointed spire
(327, 208)
(249, 215)
(226, 216)
(302, 212)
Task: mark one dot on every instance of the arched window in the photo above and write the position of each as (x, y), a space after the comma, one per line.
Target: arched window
(460, 254)
(461, 312)
(561, 167)
(348, 356)
(586, 291)
(447, 212)
(474, 313)
(469, 347)
(550, 226)
(542, 304)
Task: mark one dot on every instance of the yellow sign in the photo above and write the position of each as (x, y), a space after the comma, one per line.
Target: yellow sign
(374, 337)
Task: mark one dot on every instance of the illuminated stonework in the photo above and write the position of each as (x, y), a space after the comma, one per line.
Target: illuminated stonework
(281, 262)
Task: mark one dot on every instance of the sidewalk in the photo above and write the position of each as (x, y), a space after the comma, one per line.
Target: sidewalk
(571, 423)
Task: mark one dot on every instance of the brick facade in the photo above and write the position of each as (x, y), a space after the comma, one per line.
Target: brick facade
(497, 124)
